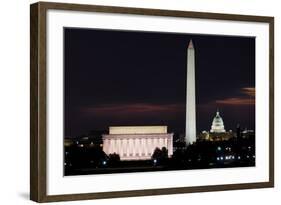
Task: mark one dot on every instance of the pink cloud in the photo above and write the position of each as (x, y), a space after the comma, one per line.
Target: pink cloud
(134, 109)
(247, 100)
(236, 101)
(250, 91)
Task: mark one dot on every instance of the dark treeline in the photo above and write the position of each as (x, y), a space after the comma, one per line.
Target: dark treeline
(90, 158)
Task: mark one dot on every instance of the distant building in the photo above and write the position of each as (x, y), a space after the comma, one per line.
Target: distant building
(217, 125)
(238, 131)
(179, 141)
(93, 138)
(137, 142)
(68, 142)
(217, 132)
(246, 134)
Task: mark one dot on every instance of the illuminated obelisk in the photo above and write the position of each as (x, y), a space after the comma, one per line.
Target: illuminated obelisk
(190, 129)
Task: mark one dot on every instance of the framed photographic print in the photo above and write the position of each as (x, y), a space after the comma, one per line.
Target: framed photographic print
(134, 102)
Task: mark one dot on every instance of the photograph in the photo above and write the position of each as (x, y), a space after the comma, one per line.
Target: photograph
(146, 101)
(129, 101)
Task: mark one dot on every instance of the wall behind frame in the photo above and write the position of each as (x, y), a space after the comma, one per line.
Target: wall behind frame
(14, 103)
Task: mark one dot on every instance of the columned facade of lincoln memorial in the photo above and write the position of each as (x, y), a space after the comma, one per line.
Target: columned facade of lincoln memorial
(137, 142)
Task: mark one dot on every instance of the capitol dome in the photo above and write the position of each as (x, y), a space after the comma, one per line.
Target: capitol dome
(217, 125)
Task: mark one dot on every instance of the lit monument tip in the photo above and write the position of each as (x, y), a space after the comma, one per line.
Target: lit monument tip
(190, 45)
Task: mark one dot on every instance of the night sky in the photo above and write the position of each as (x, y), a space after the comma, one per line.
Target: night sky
(139, 78)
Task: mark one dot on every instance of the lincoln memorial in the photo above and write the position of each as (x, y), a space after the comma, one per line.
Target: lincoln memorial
(137, 142)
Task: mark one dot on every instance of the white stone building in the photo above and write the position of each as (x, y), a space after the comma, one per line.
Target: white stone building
(217, 124)
(137, 142)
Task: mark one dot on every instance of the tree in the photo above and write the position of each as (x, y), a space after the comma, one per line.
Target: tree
(114, 159)
(157, 153)
(160, 156)
(164, 153)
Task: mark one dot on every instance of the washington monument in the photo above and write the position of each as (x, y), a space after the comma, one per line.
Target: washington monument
(190, 129)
